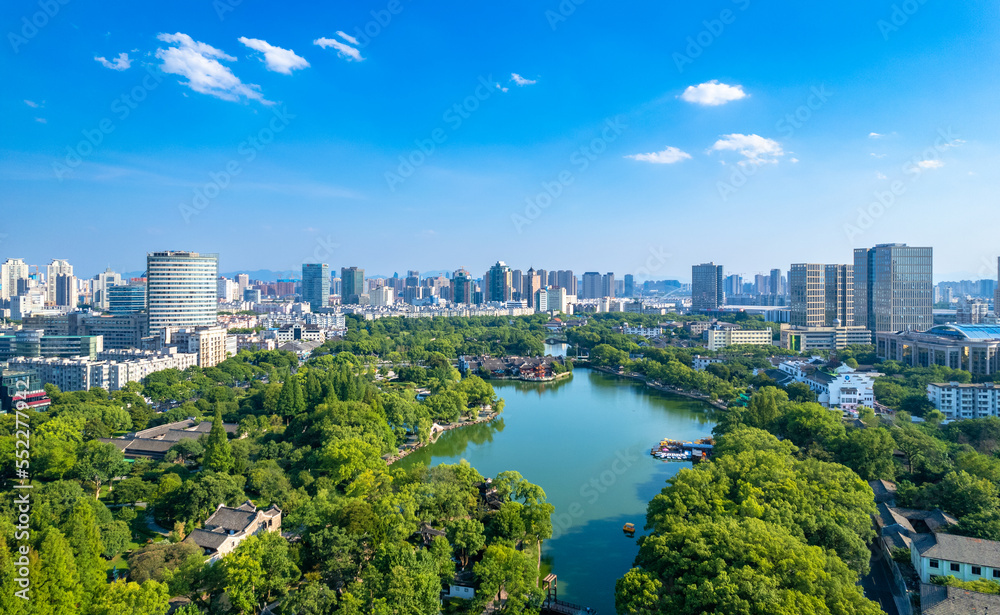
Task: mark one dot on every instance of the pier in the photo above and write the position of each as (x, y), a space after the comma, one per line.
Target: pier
(553, 605)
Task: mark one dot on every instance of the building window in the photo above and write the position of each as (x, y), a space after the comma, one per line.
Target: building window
(976, 570)
(935, 564)
(955, 567)
(996, 574)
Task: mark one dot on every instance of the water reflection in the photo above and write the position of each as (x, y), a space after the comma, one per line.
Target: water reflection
(585, 440)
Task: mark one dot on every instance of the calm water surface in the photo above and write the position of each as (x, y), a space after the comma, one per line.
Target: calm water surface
(586, 441)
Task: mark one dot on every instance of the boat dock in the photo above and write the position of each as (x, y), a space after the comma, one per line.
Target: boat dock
(676, 450)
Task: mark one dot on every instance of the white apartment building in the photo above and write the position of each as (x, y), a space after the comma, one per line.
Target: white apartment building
(718, 338)
(83, 374)
(12, 270)
(965, 401)
(627, 329)
(382, 296)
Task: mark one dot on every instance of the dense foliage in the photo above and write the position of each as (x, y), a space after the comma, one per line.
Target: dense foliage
(312, 440)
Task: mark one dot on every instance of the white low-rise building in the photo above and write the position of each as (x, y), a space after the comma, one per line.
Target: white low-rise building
(112, 370)
(965, 401)
(719, 337)
(842, 387)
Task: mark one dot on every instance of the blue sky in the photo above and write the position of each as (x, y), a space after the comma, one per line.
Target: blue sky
(637, 138)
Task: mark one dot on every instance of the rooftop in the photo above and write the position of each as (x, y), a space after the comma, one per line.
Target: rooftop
(969, 332)
(954, 548)
(940, 600)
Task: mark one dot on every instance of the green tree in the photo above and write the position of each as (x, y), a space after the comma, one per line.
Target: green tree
(218, 452)
(59, 590)
(638, 593)
(868, 452)
(100, 463)
(467, 537)
(150, 598)
(506, 570)
(85, 538)
(258, 571)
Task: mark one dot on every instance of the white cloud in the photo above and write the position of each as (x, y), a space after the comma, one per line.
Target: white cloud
(667, 156)
(519, 80)
(502, 88)
(277, 59)
(793, 160)
(122, 62)
(199, 64)
(343, 50)
(31, 103)
(930, 164)
(41, 120)
(874, 135)
(347, 37)
(880, 176)
(755, 148)
(878, 155)
(713, 93)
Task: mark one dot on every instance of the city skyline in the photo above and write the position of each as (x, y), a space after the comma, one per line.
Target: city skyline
(841, 122)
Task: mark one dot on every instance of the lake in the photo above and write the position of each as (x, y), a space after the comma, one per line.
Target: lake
(585, 441)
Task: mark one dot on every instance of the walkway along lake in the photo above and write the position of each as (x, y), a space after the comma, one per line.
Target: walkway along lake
(586, 441)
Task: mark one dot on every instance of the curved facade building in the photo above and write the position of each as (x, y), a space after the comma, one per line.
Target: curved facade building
(974, 348)
(181, 289)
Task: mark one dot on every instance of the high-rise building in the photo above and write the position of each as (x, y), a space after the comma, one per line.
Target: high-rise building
(127, 298)
(102, 282)
(352, 282)
(497, 283)
(181, 289)
(839, 295)
(821, 295)
(775, 281)
(707, 292)
(543, 277)
(382, 296)
(894, 288)
(566, 279)
(629, 288)
(11, 271)
(733, 284)
(461, 287)
(608, 285)
(65, 287)
(227, 290)
(530, 284)
(591, 285)
(516, 284)
(412, 278)
(316, 285)
(56, 268)
(244, 281)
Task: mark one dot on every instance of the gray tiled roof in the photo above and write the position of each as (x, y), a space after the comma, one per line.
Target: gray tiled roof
(884, 490)
(940, 600)
(206, 539)
(954, 548)
(230, 519)
(889, 516)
